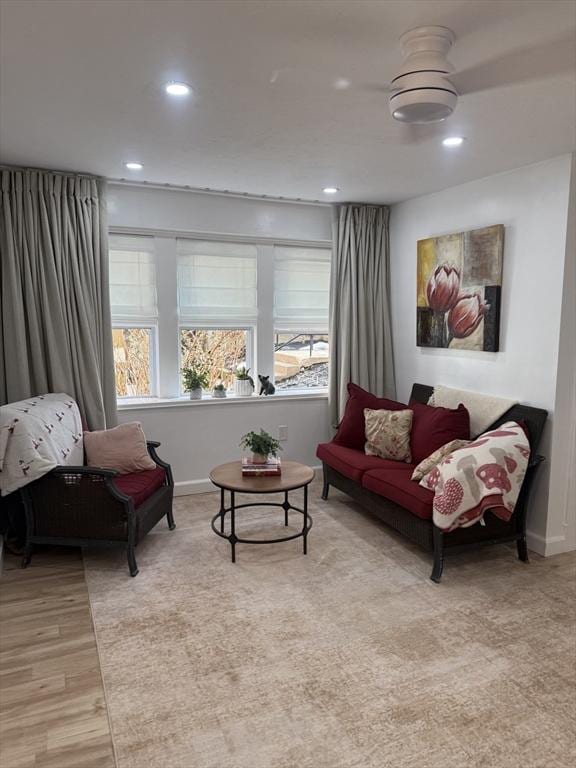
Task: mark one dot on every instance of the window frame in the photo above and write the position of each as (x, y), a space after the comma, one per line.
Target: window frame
(166, 327)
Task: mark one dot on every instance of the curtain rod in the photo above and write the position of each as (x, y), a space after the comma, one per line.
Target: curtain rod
(220, 192)
(80, 174)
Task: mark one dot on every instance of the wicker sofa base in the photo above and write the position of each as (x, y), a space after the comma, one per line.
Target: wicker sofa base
(423, 532)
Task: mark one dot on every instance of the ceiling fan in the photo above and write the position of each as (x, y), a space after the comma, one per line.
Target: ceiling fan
(422, 91)
(426, 88)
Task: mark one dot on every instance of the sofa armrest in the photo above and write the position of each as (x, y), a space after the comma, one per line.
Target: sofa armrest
(535, 461)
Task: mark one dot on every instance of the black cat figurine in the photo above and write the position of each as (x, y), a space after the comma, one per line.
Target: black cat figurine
(266, 386)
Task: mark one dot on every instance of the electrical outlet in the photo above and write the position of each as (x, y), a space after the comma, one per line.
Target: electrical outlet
(283, 433)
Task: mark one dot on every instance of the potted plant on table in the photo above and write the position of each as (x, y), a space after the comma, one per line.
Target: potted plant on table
(219, 390)
(262, 445)
(195, 380)
(243, 383)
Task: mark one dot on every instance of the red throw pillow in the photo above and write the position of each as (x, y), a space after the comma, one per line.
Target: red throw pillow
(351, 430)
(433, 427)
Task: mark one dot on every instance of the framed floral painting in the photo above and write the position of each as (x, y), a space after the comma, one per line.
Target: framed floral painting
(459, 284)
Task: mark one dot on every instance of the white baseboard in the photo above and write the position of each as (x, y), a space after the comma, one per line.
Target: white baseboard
(189, 487)
(547, 546)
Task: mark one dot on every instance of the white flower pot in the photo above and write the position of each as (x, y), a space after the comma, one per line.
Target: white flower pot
(243, 388)
(196, 394)
(218, 393)
(259, 458)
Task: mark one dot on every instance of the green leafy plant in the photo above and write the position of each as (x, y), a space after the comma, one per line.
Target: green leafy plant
(195, 377)
(243, 373)
(219, 387)
(261, 443)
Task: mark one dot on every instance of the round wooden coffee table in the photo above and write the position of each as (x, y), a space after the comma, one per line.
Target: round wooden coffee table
(228, 477)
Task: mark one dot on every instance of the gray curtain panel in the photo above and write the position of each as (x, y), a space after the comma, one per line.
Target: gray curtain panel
(360, 328)
(56, 333)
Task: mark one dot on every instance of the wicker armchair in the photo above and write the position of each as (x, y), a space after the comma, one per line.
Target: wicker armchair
(81, 506)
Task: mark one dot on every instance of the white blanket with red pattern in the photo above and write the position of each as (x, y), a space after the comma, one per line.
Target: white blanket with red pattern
(37, 435)
(485, 474)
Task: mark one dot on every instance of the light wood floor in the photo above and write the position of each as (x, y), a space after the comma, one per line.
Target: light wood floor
(52, 708)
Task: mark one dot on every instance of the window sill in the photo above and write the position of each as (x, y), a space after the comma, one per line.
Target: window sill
(146, 403)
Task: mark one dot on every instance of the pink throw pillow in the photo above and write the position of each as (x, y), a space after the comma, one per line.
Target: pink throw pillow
(122, 448)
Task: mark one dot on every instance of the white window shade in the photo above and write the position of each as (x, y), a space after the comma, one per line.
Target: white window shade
(217, 282)
(132, 277)
(301, 288)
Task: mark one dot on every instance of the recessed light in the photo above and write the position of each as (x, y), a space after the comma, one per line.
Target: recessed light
(341, 84)
(133, 166)
(177, 89)
(453, 141)
(330, 190)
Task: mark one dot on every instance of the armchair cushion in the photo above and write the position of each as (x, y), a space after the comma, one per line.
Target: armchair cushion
(140, 485)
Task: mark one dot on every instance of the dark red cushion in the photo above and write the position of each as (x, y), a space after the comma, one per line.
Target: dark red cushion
(351, 432)
(434, 427)
(140, 485)
(352, 463)
(397, 486)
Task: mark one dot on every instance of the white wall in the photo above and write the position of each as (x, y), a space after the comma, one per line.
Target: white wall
(561, 523)
(182, 211)
(532, 203)
(197, 437)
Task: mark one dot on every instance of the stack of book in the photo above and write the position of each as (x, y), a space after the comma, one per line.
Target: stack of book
(271, 468)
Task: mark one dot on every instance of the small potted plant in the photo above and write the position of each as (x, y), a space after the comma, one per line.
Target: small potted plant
(262, 445)
(243, 383)
(219, 390)
(195, 380)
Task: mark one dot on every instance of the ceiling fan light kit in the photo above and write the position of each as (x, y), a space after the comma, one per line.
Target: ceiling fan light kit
(422, 91)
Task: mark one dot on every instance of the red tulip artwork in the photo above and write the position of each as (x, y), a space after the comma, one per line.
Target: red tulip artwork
(443, 288)
(466, 315)
(459, 280)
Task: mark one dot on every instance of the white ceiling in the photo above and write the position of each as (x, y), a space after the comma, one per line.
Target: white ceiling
(81, 89)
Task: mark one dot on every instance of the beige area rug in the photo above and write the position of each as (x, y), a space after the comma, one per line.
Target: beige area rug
(346, 658)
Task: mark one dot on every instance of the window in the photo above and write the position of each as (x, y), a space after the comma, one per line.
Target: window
(217, 283)
(217, 304)
(134, 313)
(132, 361)
(132, 276)
(301, 360)
(219, 350)
(301, 300)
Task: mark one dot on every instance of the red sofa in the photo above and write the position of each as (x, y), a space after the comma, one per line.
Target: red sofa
(385, 487)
